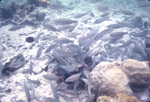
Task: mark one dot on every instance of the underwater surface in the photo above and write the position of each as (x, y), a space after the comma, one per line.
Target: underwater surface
(49, 47)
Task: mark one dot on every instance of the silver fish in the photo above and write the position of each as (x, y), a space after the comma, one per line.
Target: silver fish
(50, 48)
(69, 68)
(64, 21)
(27, 92)
(100, 20)
(38, 37)
(52, 77)
(103, 8)
(50, 27)
(54, 91)
(73, 77)
(80, 15)
(105, 14)
(114, 26)
(127, 12)
(39, 52)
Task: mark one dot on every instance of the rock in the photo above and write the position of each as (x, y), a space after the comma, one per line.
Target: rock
(138, 73)
(118, 98)
(130, 77)
(108, 79)
(14, 64)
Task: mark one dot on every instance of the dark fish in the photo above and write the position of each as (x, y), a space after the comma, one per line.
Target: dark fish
(80, 15)
(16, 27)
(73, 77)
(100, 20)
(50, 27)
(127, 12)
(64, 21)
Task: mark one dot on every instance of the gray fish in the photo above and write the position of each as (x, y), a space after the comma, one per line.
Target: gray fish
(103, 8)
(117, 35)
(72, 28)
(50, 48)
(114, 26)
(105, 14)
(32, 93)
(39, 52)
(62, 28)
(50, 99)
(52, 77)
(139, 34)
(73, 77)
(30, 66)
(69, 68)
(127, 12)
(127, 43)
(50, 27)
(102, 33)
(86, 73)
(63, 40)
(60, 59)
(16, 27)
(56, 6)
(64, 21)
(70, 92)
(74, 48)
(80, 15)
(27, 92)
(35, 82)
(38, 37)
(62, 86)
(54, 91)
(140, 48)
(68, 99)
(63, 52)
(100, 20)
(1, 68)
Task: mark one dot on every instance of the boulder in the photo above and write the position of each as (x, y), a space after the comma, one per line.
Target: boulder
(107, 79)
(138, 73)
(118, 98)
(128, 77)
